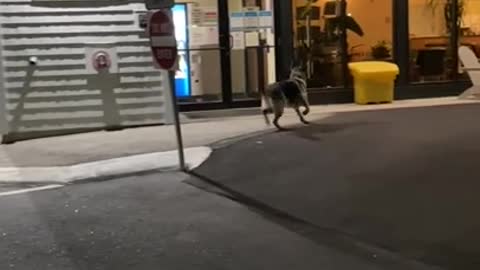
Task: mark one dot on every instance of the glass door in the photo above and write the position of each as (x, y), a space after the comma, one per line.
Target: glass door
(199, 75)
(227, 50)
(252, 47)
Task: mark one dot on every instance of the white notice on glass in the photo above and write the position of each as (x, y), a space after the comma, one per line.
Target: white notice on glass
(203, 36)
(238, 40)
(250, 20)
(209, 16)
(265, 19)
(236, 21)
(251, 39)
(211, 35)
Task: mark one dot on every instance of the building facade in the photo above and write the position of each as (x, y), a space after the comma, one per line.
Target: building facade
(420, 36)
(52, 53)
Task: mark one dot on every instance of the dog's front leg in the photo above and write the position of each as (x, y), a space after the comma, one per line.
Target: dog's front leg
(297, 110)
(307, 110)
(306, 105)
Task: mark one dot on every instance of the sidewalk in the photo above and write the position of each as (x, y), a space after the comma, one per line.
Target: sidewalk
(139, 144)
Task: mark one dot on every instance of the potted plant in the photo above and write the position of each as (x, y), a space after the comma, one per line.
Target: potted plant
(448, 6)
(329, 37)
(381, 50)
(450, 25)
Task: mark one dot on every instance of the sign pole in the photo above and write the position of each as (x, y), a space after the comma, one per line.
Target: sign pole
(165, 53)
(176, 121)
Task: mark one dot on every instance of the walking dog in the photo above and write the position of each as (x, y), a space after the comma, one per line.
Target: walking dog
(291, 93)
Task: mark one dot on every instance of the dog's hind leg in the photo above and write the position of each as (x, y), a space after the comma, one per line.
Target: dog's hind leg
(265, 115)
(300, 115)
(307, 110)
(305, 104)
(275, 122)
(278, 108)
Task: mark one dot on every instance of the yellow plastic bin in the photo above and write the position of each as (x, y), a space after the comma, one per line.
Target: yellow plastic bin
(373, 81)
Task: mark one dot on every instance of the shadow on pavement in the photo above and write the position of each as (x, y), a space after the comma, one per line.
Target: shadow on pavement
(322, 236)
(314, 131)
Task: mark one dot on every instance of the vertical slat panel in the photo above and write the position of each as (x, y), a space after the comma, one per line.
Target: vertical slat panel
(59, 94)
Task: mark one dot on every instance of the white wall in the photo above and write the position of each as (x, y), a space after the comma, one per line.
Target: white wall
(472, 15)
(375, 18)
(425, 22)
(59, 94)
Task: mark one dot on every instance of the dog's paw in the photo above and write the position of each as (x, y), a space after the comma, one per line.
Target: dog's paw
(282, 129)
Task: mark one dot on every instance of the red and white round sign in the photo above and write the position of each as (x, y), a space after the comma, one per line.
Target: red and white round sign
(162, 39)
(101, 60)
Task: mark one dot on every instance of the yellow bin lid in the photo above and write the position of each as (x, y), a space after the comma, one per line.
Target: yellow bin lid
(378, 68)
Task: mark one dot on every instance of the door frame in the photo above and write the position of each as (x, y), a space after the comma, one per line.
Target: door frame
(225, 60)
(283, 53)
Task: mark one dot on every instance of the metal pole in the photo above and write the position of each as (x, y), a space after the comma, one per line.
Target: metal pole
(176, 120)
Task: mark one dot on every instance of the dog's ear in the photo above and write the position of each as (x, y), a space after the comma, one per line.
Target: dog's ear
(293, 64)
(303, 67)
(296, 63)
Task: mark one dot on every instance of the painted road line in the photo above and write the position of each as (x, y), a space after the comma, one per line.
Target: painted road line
(27, 190)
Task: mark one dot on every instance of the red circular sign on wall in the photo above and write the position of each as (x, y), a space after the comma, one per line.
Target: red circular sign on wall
(101, 60)
(162, 39)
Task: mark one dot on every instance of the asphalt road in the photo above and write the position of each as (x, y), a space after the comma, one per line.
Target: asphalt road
(156, 221)
(405, 180)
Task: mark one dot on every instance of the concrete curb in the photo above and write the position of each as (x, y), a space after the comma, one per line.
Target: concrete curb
(160, 161)
(167, 161)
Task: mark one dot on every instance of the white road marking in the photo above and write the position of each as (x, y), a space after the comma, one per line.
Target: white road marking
(26, 190)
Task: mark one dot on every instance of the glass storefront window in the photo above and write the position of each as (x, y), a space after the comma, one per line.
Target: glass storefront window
(369, 30)
(317, 41)
(198, 78)
(469, 27)
(318, 30)
(431, 50)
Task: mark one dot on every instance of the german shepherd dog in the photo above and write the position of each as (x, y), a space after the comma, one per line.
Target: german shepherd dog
(291, 93)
